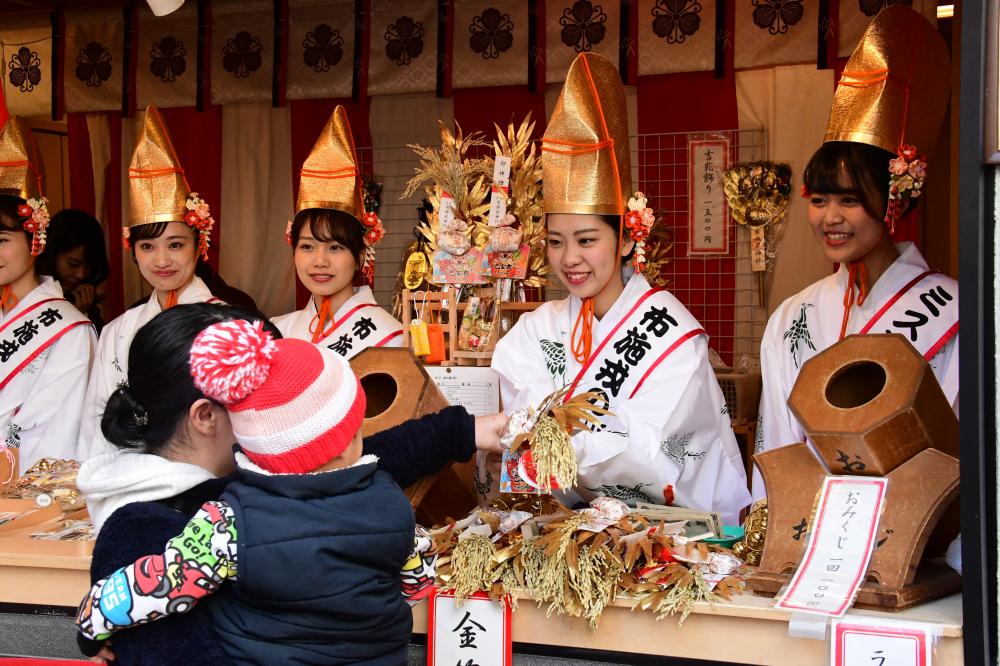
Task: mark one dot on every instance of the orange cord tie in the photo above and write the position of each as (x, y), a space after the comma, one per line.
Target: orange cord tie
(863, 79)
(576, 148)
(171, 299)
(346, 172)
(585, 323)
(7, 298)
(154, 173)
(854, 295)
(318, 324)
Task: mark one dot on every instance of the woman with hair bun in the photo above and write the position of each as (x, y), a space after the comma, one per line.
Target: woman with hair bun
(174, 451)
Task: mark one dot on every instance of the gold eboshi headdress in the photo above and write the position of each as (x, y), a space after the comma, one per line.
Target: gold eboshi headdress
(586, 168)
(330, 178)
(893, 94)
(21, 176)
(159, 192)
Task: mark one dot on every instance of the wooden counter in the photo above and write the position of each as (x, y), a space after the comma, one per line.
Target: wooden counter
(746, 631)
(45, 573)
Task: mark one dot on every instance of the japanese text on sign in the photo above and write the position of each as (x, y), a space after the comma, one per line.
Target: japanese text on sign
(477, 633)
(839, 547)
(880, 643)
(708, 218)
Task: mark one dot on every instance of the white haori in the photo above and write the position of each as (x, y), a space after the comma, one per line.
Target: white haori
(908, 299)
(669, 432)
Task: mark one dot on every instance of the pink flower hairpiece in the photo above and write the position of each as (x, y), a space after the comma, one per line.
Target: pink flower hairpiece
(199, 217)
(907, 173)
(639, 220)
(37, 213)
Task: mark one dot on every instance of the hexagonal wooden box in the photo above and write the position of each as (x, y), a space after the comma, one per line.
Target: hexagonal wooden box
(398, 389)
(870, 403)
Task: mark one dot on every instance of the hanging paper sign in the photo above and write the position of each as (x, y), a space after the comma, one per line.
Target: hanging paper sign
(458, 269)
(242, 51)
(855, 17)
(498, 206)
(501, 171)
(880, 643)
(491, 43)
(676, 36)
(321, 49)
(93, 60)
(776, 33)
(477, 632)
(446, 211)
(507, 264)
(708, 220)
(758, 249)
(26, 43)
(404, 42)
(167, 55)
(840, 547)
(573, 27)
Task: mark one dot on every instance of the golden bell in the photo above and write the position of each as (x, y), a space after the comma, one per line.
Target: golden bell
(894, 89)
(20, 163)
(586, 167)
(330, 177)
(157, 186)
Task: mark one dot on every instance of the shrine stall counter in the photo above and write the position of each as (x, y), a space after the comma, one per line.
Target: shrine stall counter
(747, 630)
(44, 573)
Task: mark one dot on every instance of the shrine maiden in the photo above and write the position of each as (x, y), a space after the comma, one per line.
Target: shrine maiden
(46, 344)
(333, 243)
(668, 439)
(887, 111)
(169, 228)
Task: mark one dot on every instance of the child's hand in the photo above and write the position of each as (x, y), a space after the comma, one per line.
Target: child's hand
(488, 431)
(105, 655)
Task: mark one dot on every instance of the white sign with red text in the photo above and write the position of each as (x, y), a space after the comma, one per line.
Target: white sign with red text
(476, 633)
(840, 546)
(877, 642)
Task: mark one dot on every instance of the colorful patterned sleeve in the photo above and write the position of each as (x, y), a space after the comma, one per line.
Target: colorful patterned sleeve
(193, 565)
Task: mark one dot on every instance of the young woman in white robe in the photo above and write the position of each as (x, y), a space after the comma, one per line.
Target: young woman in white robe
(879, 287)
(329, 249)
(166, 251)
(46, 349)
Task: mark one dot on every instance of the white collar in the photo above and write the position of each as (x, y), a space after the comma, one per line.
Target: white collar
(243, 462)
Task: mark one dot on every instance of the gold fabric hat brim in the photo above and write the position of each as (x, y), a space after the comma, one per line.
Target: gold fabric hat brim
(330, 176)
(20, 162)
(894, 89)
(586, 168)
(158, 189)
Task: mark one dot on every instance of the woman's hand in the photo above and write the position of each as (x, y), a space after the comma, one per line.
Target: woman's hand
(83, 297)
(488, 431)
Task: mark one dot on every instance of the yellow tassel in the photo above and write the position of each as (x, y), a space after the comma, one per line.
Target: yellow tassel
(553, 455)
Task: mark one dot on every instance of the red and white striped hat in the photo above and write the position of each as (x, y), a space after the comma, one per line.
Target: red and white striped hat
(293, 405)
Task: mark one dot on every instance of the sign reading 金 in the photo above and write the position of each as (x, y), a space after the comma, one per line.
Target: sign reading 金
(839, 548)
(477, 633)
(708, 217)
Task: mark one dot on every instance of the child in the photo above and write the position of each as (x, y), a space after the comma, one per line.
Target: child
(304, 495)
(46, 344)
(333, 240)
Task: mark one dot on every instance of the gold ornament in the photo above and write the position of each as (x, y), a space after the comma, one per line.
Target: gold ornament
(894, 88)
(754, 531)
(585, 151)
(415, 270)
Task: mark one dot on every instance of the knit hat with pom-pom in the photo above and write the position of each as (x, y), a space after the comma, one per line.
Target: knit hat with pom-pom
(293, 406)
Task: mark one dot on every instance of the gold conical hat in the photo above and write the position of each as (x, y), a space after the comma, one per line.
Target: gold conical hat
(329, 177)
(20, 163)
(158, 188)
(585, 152)
(894, 89)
